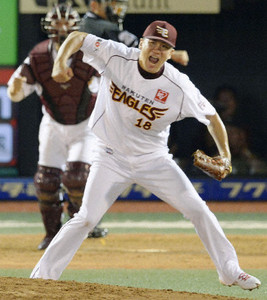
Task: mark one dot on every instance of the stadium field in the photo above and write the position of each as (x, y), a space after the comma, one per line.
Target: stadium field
(151, 252)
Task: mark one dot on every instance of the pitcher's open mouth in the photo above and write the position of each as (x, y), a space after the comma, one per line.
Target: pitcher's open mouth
(153, 60)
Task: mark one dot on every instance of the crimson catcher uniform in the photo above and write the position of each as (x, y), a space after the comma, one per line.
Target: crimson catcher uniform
(65, 140)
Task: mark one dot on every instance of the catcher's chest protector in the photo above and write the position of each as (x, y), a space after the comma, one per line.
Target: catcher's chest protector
(70, 102)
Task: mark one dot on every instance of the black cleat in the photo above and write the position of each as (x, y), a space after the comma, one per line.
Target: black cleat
(45, 242)
(98, 232)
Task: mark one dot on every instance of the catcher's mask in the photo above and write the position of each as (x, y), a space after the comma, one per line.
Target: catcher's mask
(61, 20)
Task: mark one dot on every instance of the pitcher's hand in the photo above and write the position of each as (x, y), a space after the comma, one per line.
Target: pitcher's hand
(61, 74)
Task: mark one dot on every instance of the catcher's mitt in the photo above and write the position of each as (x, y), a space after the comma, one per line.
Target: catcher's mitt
(216, 167)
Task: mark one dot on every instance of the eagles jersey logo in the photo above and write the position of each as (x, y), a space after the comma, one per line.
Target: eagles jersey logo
(161, 96)
(150, 112)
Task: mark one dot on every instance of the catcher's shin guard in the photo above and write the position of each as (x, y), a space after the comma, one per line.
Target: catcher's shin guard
(74, 179)
(47, 185)
(51, 216)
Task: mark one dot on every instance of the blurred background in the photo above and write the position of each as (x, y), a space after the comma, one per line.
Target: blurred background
(227, 44)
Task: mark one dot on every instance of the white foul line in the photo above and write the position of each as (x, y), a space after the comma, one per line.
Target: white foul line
(148, 224)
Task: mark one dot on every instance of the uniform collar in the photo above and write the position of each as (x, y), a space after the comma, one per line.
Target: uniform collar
(148, 75)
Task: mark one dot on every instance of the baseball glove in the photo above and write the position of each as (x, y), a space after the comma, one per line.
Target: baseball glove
(216, 167)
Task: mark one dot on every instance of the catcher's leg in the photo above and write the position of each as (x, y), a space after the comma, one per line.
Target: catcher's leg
(74, 179)
(96, 202)
(47, 185)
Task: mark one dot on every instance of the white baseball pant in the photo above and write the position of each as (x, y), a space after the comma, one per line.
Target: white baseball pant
(59, 143)
(110, 175)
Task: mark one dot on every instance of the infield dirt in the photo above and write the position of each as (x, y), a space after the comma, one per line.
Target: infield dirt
(127, 251)
(133, 251)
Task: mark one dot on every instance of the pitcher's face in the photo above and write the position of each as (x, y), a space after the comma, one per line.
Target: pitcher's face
(153, 54)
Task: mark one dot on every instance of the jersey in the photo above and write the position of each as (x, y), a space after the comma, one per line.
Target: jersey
(92, 23)
(142, 109)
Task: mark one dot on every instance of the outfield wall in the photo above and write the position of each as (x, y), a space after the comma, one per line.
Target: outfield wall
(22, 189)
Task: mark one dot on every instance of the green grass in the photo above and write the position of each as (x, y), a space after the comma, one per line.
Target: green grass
(35, 218)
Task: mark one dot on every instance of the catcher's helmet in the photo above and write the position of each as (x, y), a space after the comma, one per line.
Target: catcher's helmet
(61, 20)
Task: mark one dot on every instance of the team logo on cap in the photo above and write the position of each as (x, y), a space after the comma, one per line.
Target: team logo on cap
(161, 96)
(162, 31)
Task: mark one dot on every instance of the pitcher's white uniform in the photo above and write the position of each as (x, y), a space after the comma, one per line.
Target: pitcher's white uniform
(131, 119)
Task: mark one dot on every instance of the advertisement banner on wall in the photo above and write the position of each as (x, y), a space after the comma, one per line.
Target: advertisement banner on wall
(8, 125)
(210, 190)
(6, 143)
(8, 32)
(134, 6)
(5, 104)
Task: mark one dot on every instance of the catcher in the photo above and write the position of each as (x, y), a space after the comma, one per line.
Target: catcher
(65, 141)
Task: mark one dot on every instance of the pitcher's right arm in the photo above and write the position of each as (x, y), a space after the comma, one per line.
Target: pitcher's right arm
(61, 72)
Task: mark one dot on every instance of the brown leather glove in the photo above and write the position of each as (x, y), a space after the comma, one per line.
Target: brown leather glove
(216, 167)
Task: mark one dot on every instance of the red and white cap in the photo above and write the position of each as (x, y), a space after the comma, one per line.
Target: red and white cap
(163, 31)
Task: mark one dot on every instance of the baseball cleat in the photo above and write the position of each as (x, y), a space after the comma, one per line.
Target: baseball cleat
(45, 242)
(246, 282)
(98, 232)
